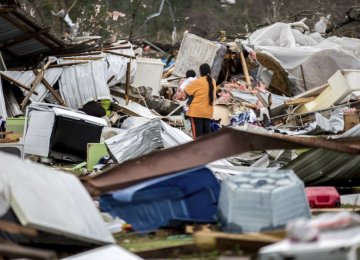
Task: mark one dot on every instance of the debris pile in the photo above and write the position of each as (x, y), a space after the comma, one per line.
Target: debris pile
(111, 126)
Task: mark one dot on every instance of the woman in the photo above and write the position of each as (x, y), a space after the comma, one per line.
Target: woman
(202, 106)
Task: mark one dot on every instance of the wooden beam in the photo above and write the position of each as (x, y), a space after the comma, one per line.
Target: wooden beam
(14, 228)
(34, 84)
(15, 82)
(120, 54)
(16, 251)
(51, 89)
(127, 85)
(78, 54)
(298, 101)
(83, 58)
(67, 64)
(250, 242)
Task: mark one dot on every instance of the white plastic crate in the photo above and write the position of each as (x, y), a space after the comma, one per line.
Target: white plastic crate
(260, 200)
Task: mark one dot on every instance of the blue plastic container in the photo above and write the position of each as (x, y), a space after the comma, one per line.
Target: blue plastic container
(188, 196)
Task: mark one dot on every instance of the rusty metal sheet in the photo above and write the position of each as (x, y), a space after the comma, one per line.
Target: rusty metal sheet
(210, 148)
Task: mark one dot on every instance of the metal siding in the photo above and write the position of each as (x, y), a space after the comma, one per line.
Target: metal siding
(320, 167)
(83, 83)
(118, 66)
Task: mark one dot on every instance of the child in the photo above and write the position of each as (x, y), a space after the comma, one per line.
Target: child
(190, 76)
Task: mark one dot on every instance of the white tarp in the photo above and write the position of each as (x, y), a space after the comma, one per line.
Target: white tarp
(51, 201)
(319, 57)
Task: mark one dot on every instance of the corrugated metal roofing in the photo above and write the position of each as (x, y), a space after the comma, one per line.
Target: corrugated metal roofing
(324, 167)
(27, 77)
(21, 36)
(118, 66)
(135, 142)
(83, 83)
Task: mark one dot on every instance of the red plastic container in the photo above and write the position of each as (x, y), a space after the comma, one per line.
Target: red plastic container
(323, 197)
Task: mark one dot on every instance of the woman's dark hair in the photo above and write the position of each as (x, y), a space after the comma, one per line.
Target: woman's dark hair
(205, 70)
(190, 73)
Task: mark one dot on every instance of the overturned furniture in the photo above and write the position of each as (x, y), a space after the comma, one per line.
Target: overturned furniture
(189, 196)
(60, 133)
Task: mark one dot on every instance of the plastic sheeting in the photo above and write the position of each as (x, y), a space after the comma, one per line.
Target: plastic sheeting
(319, 57)
(83, 83)
(27, 77)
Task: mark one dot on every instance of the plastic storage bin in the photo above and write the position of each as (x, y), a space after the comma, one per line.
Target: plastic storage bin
(323, 197)
(188, 196)
(261, 200)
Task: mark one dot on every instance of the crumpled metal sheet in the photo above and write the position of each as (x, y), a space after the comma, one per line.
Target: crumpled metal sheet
(203, 150)
(324, 167)
(135, 142)
(83, 83)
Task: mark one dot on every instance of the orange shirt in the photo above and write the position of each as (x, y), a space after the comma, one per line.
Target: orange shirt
(200, 106)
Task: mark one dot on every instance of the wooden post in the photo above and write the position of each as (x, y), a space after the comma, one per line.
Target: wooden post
(50, 88)
(15, 82)
(127, 86)
(34, 84)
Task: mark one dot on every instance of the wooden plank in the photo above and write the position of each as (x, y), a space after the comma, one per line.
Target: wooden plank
(247, 242)
(67, 64)
(16, 251)
(35, 82)
(167, 252)
(127, 85)
(83, 58)
(50, 88)
(14, 228)
(78, 54)
(298, 101)
(15, 82)
(120, 54)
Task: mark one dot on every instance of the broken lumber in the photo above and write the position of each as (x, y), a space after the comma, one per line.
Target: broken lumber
(15, 251)
(15, 82)
(14, 228)
(67, 64)
(120, 54)
(250, 242)
(298, 101)
(52, 91)
(35, 82)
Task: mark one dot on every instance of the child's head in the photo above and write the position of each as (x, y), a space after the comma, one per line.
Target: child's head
(190, 73)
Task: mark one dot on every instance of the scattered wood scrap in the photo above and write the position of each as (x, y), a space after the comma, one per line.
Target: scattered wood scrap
(298, 101)
(249, 242)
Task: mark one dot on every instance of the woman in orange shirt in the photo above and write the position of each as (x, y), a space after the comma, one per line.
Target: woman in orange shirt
(202, 106)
